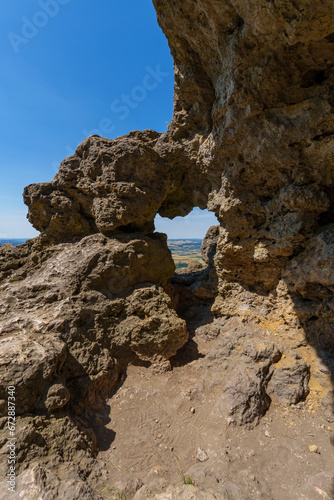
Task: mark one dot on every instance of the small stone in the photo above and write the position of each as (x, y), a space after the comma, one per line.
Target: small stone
(329, 429)
(314, 449)
(128, 487)
(159, 436)
(168, 425)
(192, 410)
(156, 421)
(201, 455)
(267, 434)
(252, 453)
(158, 470)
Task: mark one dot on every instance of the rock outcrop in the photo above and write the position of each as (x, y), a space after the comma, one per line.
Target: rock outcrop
(251, 140)
(89, 307)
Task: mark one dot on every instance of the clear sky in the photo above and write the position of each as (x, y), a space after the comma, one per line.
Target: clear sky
(70, 69)
(195, 225)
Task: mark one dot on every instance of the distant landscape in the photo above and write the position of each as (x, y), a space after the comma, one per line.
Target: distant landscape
(185, 252)
(14, 242)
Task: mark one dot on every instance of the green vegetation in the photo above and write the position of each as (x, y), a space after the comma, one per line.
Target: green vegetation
(116, 494)
(180, 265)
(188, 480)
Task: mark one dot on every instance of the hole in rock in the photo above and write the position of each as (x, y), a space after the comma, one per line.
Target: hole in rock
(313, 77)
(192, 241)
(185, 236)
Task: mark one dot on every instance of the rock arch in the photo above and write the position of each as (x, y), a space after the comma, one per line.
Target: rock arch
(251, 140)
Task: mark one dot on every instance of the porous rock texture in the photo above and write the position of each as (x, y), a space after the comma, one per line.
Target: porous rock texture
(251, 140)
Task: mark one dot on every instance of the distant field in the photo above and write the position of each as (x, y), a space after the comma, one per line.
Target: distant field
(13, 242)
(185, 251)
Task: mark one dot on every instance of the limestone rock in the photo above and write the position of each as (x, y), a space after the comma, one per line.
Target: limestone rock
(244, 397)
(127, 488)
(289, 382)
(106, 184)
(40, 483)
(201, 455)
(311, 273)
(99, 288)
(57, 396)
(31, 366)
(209, 244)
(240, 364)
(12, 258)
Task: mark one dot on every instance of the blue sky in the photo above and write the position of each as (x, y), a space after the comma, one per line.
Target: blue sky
(69, 70)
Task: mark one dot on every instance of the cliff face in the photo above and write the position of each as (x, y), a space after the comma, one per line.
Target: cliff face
(255, 81)
(251, 140)
(254, 106)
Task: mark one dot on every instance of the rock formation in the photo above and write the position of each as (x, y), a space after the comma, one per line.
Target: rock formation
(251, 140)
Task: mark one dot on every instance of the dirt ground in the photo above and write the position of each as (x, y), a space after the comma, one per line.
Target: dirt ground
(167, 428)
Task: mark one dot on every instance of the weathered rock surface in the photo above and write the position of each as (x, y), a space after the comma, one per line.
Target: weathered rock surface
(209, 244)
(31, 366)
(248, 362)
(289, 382)
(40, 483)
(121, 184)
(251, 140)
(98, 288)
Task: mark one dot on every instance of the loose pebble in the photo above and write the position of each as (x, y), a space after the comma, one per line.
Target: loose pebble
(201, 455)
(314, 449)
